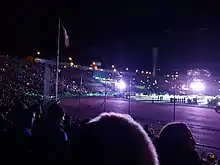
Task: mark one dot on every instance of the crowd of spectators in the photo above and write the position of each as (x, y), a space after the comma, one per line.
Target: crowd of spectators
(29, 76)
(19, 83)
(49, 135)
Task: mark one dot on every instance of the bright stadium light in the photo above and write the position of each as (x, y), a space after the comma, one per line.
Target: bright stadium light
(121, 84)
(197, 86)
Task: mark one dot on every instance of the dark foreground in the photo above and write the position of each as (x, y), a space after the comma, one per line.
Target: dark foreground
(204, 122)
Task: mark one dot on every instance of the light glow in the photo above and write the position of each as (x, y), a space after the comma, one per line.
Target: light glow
(121, 84)
(197, 86)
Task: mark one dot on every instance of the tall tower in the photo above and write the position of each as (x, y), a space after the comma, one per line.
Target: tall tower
(155, 53)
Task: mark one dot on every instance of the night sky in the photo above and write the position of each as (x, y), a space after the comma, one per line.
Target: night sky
(187, 34)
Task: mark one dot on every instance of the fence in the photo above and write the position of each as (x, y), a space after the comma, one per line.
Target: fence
(81, 85)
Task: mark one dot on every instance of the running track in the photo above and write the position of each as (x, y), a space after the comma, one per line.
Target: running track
(204, 122)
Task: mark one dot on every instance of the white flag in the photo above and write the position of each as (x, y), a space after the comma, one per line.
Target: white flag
(66, 37)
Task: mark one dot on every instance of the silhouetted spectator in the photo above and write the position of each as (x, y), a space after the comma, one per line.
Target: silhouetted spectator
(176, 145)
(114, 139)
(48, 137)
(149, 131)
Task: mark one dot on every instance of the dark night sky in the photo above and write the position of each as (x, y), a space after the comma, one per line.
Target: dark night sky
(121, 33)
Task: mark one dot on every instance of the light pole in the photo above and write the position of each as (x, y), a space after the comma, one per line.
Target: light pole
(38, 54)
(174, 102)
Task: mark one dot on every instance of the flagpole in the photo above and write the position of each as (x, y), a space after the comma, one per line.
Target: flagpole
(57, 60)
